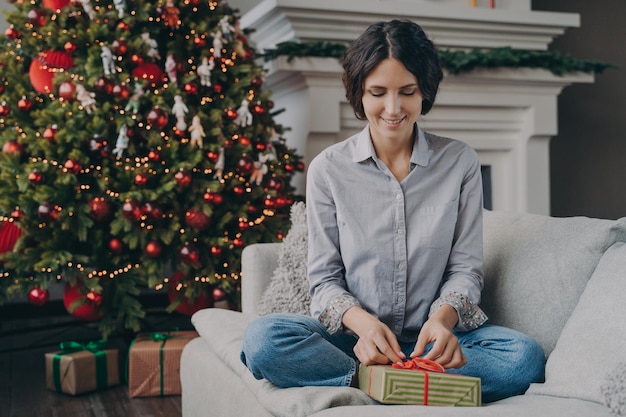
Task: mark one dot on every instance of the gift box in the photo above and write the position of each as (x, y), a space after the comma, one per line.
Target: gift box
(154, 363)
(79, 368)
(389, 385)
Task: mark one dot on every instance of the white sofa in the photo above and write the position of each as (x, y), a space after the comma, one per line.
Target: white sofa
(560, 280)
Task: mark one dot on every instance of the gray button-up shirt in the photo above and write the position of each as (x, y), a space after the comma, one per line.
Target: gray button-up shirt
(399, 250)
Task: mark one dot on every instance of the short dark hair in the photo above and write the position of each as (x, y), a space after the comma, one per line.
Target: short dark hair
(400, 39)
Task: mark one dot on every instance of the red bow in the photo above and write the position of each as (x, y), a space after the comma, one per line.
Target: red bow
(419, 363)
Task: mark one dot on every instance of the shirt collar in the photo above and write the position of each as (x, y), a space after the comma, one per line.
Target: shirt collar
(365, 148)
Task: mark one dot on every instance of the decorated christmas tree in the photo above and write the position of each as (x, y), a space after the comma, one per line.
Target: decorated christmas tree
(139, 151)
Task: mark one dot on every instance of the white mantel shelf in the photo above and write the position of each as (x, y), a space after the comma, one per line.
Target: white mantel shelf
(447, 24)
(508, 115)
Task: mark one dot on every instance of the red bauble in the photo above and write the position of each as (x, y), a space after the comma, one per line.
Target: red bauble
(218, 294)
(9, 234)
(104, 86)
(35, 177)
(44, 67)
(88, 310)
(12, 33)
(116, 245)
(158, 118)
(231, 114)
(72, 166)
(258, 109)
(150, 72)
(183, 178)
(238, 242)
(275, 183)
(217, 88)
(66, 90)
(213, 156)
(244, 141)
(257, 81)
(131, 210)
(121, 91)
(216, 250)
(94, 297)
(197, 219)
(99, 209)
(55, 4)
(153, 249)
(141, 179)
(120, 47)
(152, 210)
(36, 17)
(24, 104)
(191, 88)
(239, 190)
(4, 109)
(47, 212)
(199, 42)
(38, 297)
(213, 198)
(187, 307)
(245, 164)
(189, 254)
(154, 156)
(50, 133)
(70, 47)
(12, 146)
(99, 146)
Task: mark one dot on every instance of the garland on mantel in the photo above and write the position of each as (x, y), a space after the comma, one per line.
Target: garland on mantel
(457, 62)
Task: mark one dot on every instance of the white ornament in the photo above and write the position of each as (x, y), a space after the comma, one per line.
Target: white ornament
(179, 110)
(217, 44)
(244, 117)
(170, 68)
(88, 8)
(120, 6)
(204, 71)
(226, 27)
(86, 98)
(153, 52)
(122, 142)
(260, 168)
(219, 165)
(197, 132)
(108, 60)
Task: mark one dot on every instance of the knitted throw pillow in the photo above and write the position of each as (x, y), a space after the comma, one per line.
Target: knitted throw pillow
(288, 291)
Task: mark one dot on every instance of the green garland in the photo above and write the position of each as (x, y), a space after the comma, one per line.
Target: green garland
(457, 62)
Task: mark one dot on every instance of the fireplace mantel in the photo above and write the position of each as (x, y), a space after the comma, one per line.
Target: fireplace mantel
(507, 115)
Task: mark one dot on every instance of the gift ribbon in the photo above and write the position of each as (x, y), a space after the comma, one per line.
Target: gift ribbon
(97, 348)
(422, 365)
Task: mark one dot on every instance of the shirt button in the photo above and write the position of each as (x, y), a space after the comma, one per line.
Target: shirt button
(400, 231)
(400, 299)
(398, 196)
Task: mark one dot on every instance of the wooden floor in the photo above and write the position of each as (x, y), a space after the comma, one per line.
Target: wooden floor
(23, 393)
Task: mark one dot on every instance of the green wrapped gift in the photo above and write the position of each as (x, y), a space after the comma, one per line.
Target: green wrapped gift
(389, 385)
(79, 368)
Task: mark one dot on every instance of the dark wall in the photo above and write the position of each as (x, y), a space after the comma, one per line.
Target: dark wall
(588, 157)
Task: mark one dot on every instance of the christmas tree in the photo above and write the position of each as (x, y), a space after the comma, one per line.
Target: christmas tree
(139, 150)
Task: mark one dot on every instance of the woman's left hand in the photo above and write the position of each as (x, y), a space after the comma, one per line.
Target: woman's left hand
(438, 329)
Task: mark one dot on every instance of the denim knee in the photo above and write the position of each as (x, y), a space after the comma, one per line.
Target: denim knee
(256, 350)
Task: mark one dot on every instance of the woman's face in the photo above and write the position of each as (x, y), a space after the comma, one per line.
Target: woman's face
(392, 101)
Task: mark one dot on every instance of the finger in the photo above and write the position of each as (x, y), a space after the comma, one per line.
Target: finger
(391, 349)
(419, 348)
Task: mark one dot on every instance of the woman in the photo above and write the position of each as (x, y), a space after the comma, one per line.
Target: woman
(395, 241)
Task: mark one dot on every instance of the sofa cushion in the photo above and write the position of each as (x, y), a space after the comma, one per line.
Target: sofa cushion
(593, 342)
(288, 290)
(537, 266)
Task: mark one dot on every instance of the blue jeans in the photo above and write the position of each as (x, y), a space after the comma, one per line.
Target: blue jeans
(294, 350)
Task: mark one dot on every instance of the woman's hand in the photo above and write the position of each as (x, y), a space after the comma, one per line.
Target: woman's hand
(377, 344)
(438, 329)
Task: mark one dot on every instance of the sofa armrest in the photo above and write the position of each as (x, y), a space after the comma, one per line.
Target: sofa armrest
(258, 262)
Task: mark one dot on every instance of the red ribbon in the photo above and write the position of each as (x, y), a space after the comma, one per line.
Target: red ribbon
(422, 365)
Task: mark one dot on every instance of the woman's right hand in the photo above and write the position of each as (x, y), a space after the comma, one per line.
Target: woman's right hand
(377, 344)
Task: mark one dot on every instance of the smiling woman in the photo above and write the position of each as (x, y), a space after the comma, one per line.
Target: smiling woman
(417, 294)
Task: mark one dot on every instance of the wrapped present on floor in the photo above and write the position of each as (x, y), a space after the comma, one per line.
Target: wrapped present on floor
(154, 363)
(419, 383)
(79, 368)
